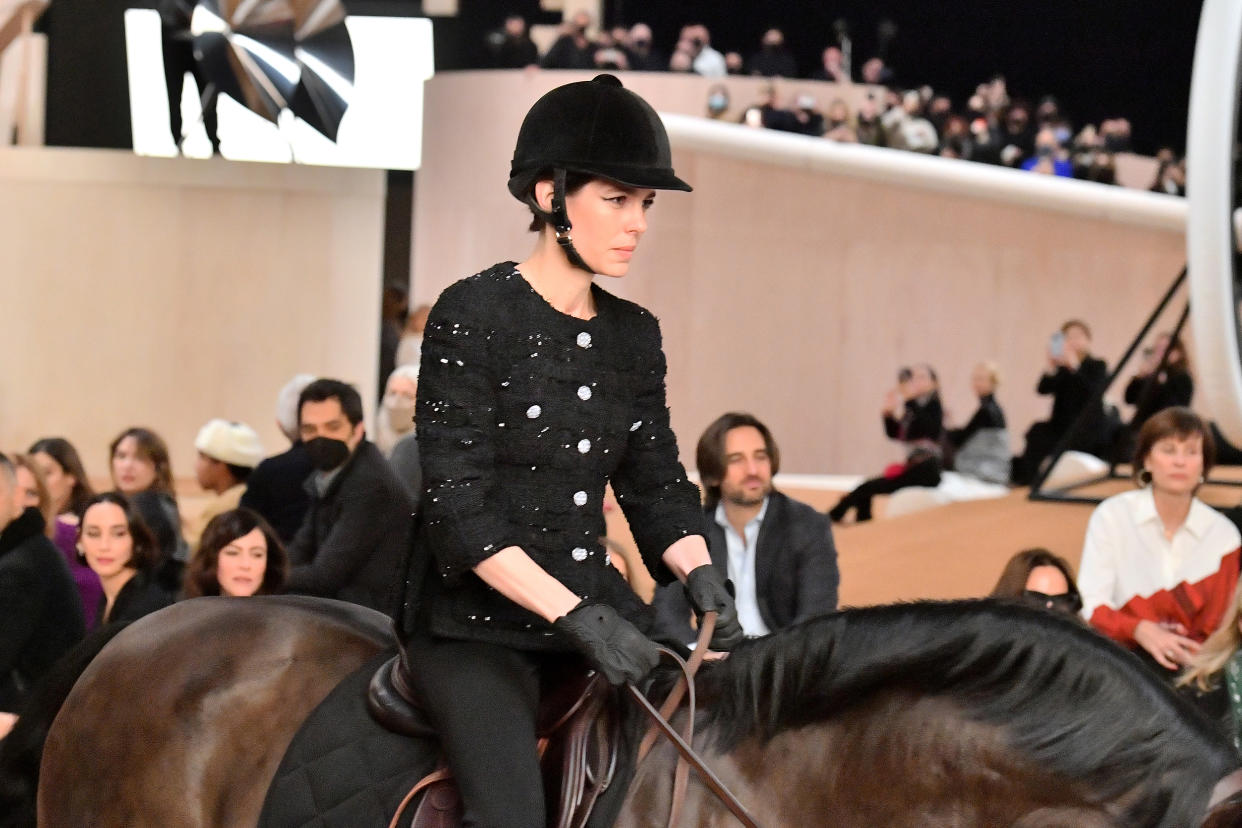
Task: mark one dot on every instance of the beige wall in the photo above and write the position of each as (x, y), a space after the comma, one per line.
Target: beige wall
(796, 292)
(165, 292)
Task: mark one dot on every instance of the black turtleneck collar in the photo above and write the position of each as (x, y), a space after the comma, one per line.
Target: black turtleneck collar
(27, 525)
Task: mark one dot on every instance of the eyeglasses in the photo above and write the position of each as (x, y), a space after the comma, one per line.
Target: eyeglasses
(1070, 602)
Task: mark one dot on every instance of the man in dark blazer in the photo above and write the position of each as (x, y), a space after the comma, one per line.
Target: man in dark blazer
(778, 552)
(353, 541)
(40, 610)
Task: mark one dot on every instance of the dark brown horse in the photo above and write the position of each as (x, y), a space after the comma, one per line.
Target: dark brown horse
(959, 714)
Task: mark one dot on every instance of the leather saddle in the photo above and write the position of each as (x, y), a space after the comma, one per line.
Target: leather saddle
(578, 728)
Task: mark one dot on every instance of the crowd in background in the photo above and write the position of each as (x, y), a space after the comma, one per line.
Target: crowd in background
(993, 126)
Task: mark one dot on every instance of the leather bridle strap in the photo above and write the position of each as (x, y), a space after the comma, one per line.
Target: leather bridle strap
(685, 681)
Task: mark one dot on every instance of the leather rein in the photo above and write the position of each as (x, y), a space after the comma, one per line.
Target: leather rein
(687, 757)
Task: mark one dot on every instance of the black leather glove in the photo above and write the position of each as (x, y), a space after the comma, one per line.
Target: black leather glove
(709, 590)
(611, 644)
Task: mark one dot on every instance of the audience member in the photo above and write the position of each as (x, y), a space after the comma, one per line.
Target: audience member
(410, 350)
(809, 119)
(227, 454)
(876, 72)
(395, 420)
(239, 556)
(868, 128)
(275, 489)
(32, 491)
(1221, 654)
(832, 68)
(1170, 175)
(70, 489)
(777, 551)
(404, 457)
(1017, 136)
(515, 49)
(734, 65)
(1073, 378)
(610, 54)
(393, 311)
(643, 55)
(1159, 567)
(920, 429)
(1049, 158)
(981, 447)
(681, 61)
(906, 127)
(142, 471)
(573, 49)
(717, 101)
(696, 41)
(115, 542)
(353, 541)
(1041, 579)
(1162, 381)
(40, 612)
(773, 58)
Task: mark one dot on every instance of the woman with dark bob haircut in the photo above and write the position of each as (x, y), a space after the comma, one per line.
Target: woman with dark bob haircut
(1159, 566)
(1039, 578)
(239, 555)
(118, 546)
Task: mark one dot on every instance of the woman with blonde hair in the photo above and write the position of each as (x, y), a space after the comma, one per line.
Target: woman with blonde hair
(1222, 653)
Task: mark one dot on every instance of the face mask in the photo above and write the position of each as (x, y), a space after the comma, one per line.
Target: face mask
(326, 454)
(717, 103)
(1063, 134)
(400, 411)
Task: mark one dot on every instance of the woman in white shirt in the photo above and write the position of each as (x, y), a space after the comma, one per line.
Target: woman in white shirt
(1159, 566)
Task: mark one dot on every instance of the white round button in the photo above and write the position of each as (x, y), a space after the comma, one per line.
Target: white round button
(534, 411)
(584, 393)
(584, 446)
(580, 498)
(579, 554)
(584, 340)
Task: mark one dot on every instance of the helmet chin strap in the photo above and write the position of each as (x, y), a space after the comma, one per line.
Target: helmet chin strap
(560, 222)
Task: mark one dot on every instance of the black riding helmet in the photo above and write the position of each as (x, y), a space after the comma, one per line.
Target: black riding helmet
(596, 127)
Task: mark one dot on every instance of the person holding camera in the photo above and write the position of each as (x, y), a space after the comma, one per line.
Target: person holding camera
(1072, 378)
(914, 416)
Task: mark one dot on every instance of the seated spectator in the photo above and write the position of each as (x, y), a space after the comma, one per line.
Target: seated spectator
(773, 58)
(1159, 567)
(142, 471)
(832, 68)
(239, 556)
(734, 65)
(906, 127)
(1219, 658)
(353, 541)
(40, 612)
(681, 61)
(876, 72)
(920, 429)
(1163, 380)
(981, 447)
(410, 348)
(115, 543)
(275, 489)
(515, 49)
(69, 489)
(1017, 136)
(809, 120)
(1049, 158)
(1115, 133)
(573, 49)
(227, 454)
(1170, 175)
(717, 101)
(696, 41)
(395, 419)
(778, 552)
(404, 457)
(1041, 579)
(1073, 378)
(643, 56)
(868, 127)
(609, 54)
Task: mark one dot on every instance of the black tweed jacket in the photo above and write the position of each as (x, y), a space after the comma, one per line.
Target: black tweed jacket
(524, 415)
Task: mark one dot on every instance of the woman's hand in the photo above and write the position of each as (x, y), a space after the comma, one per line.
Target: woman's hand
(892, 402)
(1167, 644)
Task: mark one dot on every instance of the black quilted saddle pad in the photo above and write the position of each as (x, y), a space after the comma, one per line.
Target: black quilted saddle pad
(342, 769)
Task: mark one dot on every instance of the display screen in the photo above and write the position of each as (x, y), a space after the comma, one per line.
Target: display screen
(381, 127)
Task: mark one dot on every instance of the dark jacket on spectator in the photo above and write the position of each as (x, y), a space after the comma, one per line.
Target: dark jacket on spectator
(796, 572)
(517, 52)
(771, 63)
(40, 611)
(920, 420)
(988, 415)
(141, 595)
(275, 490)
(354, 539)
(566, 54)
(1172, 387)
(1071, 392)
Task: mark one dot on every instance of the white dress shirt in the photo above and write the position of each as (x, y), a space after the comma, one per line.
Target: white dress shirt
(741, 568)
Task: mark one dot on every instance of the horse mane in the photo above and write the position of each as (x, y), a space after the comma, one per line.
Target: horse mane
(1067, 698)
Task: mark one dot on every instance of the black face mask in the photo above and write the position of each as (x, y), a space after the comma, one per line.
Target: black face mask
(326, 454)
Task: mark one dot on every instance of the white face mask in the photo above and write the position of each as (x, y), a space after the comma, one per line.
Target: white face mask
(400, 411)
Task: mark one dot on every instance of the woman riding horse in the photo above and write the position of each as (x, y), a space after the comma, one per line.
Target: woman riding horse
(538, 388)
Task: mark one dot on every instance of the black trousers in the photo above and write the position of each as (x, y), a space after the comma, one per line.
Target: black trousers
(179, 59)
(925, 473)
